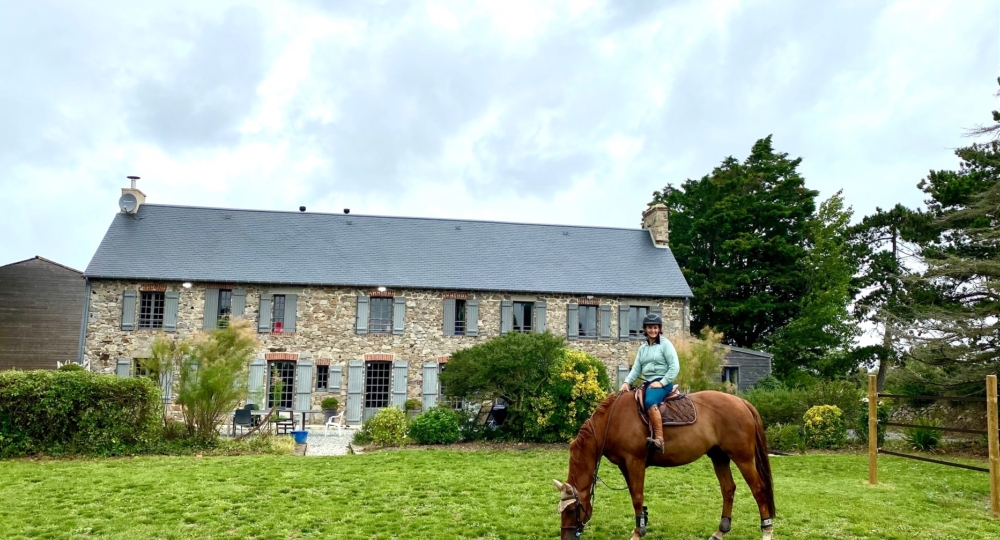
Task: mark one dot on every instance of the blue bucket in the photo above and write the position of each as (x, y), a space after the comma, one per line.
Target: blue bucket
(300, 436)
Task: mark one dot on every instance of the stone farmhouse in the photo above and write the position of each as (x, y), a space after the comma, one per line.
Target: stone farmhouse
(369, 308)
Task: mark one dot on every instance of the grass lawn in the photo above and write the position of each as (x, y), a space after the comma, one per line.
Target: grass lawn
(459, 494)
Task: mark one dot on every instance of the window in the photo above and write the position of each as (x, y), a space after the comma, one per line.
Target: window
(225, 308)
(455, 404)
(731, 374)
(635, 316)
(459, 317)
(380, 316)
(139, 369)
(277, 313)
(322, 377)
(522, 316)
(377, 375)
(151, 310)
(280, 384)
(588, 321)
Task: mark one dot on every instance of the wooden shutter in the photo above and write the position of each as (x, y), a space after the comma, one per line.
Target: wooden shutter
(355, 384)
(361, 325)
(572, 321)
(659, 311)
(334, 378)
(124, 367)
(291, 306)
(212, 310)
(303, 385)
(399, 372)
(449, 316)
(239, 303)
(170, 301)
(605, 321)
(623, 329)
(430, 384)
(472, 318)
(128, 310)
(255, 383)
(167, 386)
(506, 316)
(540, 316)
(398, 315)
(622, 374)
(264, 314)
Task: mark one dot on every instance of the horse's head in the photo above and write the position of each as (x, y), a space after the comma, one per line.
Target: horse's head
(572, 510)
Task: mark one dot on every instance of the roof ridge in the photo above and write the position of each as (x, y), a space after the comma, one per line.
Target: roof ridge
(40, 258)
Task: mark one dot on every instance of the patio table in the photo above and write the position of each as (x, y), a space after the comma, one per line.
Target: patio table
(305, 412)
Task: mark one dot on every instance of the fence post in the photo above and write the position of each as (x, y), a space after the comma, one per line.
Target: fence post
(872, 431)
(992, 437)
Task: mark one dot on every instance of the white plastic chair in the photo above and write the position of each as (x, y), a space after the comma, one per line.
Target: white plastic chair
(334, 421)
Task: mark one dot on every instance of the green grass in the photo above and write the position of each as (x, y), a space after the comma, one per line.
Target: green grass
(456, 494)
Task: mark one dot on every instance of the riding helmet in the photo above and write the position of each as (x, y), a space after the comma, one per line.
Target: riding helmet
(652, 318)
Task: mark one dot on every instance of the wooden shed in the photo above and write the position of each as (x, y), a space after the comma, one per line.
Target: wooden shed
(744, 367)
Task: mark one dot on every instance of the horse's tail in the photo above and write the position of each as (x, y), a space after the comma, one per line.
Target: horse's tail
(761, 460)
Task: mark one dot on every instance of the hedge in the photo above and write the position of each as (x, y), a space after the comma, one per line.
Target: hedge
(75, 412)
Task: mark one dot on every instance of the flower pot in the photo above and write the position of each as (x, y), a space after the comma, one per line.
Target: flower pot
(300, 436)
(328, 414)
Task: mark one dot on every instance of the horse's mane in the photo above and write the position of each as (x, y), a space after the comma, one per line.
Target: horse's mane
(586, 437)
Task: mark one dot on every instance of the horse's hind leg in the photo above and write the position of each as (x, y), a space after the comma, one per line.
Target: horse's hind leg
(720, 461)
(756, 484)
(635, 475)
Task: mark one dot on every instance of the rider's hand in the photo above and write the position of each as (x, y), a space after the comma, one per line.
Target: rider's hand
(624, 387)
(656, 384)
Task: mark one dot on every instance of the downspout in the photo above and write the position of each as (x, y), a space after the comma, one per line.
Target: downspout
(83, 323)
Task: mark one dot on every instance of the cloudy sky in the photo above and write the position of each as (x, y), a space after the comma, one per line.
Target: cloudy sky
(511, 110)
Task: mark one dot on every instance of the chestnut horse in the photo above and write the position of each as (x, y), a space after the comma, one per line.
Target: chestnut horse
(727, 429)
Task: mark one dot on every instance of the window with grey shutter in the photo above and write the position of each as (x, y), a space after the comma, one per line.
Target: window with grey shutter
(572, 321)
(605, 321)
(472, 318)
(400, 368)
(211, 320)
(506, 316)
(167, 386)
(523, 316)
(255, 382)
(336, 377)
(398, 315)
(291, 306)
(623, 322)
(361, 324)
(540, 316)
(128, 310)
(170, 311)
(355, 385)
(430, 385)
(659, 311)
(303, 385)
(124, 367)
(449, 317)
(264, 314)
(239, 302)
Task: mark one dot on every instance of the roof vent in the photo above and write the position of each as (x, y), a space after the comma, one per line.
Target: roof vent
(565, 233)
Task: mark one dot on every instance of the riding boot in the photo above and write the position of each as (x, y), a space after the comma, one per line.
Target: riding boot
(656, 424)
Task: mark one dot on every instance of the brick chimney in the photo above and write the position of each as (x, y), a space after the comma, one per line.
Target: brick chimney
(654, 220)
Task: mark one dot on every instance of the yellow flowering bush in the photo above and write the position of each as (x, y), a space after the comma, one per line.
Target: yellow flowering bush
(576, 385)
(824, 427)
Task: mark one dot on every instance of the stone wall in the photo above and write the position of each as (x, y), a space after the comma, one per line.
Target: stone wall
(325, 327)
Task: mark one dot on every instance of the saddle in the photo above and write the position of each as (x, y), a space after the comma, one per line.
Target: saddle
(676, 409)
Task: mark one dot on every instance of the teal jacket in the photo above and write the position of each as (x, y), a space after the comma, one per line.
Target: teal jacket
(655, 362)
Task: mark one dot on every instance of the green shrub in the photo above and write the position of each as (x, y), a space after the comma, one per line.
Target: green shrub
(779, 406)
(925, 439)
(76, 412)
(472, 427)
(363, 436)
(769, 383)
(412, 404)
(388, 427)
(846, 395)
(824, 427)
(71, 367)
(785, 438)
(576, 385)
(437, 426)
(329, 404)
(701, 361)
(861, 422)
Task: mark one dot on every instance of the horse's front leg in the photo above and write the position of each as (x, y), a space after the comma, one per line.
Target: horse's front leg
(634, 472)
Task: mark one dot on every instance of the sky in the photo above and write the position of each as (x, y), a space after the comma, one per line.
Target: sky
(525, 111)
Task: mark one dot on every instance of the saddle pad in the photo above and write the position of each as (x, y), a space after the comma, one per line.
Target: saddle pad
(678, 412)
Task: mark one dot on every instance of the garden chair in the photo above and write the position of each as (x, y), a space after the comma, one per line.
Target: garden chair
(243, 419)
(253, 407)
(337, 421)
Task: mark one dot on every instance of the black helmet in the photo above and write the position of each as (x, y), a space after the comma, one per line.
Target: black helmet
(652, 318)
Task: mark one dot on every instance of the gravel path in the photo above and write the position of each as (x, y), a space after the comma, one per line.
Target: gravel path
(330, 445)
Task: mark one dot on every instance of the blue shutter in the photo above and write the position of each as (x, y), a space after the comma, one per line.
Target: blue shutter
(355, 384)
(335, 378)
(400, 368)
(211, 310)
(128, 310)
(167, 386)
(291, 306)
(255, 383)
(659, 311)
(506, 316)
(449, 316)
(472, 318)
(623, 328)
(622, 374)
(540, 316)
(398, 315)
(264, 314)
(572, 321)
(605, 321)
(303, 385)
(239, 303)
(361, 324)
(170, 302)
(124, 367)
(430, 385)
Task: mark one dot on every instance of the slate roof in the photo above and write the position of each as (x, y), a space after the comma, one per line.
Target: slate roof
(185, 243)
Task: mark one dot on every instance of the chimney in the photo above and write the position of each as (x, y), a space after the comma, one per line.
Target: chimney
(654, 220)
(140, 197)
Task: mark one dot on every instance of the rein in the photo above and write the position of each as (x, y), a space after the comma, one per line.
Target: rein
(597, 468)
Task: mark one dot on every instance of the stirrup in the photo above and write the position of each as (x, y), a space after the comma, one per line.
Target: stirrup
(651, 444)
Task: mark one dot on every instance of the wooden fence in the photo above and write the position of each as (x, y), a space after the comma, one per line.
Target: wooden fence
(992, 436)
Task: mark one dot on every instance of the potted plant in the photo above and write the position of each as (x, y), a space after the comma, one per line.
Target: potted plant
(412, 407)
(329, 406)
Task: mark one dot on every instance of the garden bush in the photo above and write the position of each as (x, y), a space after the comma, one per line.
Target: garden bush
(785, 438)
(364, 435)
(71, 367)
(778, 406)
(845, 395)
(925, 439)
(329, 404)
(576, 385)
(861, 422)
(769, 383)
(413, 404)
(824, 427)
(436, 426)
(388, 427)
(76, 412)
(701, 361)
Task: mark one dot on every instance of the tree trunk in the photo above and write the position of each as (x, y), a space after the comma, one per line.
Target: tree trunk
(885, 361)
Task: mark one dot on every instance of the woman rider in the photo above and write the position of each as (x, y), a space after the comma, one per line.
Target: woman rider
(657, 363)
